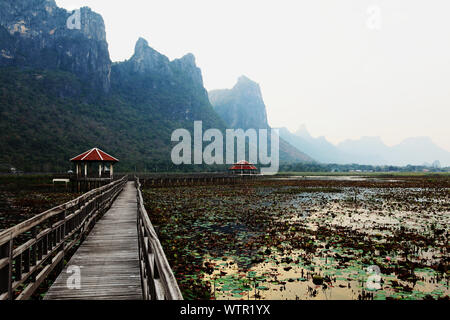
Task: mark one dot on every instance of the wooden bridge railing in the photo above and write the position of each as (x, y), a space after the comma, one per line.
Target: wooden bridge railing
(158, 281)
(177, 180)
(47, 238)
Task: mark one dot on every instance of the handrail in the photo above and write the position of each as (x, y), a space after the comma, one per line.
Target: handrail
(177, 180)
(54, 233)
(158, 281)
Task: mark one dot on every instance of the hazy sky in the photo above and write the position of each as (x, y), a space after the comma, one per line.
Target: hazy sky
(346, 68)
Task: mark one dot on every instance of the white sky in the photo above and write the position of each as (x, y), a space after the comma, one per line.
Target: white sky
(330, 64)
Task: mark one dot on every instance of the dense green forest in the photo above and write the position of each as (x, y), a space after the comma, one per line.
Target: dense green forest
(47, 117)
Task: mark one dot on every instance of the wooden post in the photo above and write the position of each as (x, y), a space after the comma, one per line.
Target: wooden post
(62, 235)
(85, 170)
(6, 272)
(111, 172)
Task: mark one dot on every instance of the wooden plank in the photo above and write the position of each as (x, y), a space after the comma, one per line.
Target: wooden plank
(32, 255)
(108, 259)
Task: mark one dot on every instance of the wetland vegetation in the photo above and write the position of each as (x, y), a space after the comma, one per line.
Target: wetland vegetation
(308, 238)
(24, 196)
(288, 237)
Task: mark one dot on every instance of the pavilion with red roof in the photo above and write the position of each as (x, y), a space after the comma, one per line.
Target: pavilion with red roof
(244, 167)
(94, 157)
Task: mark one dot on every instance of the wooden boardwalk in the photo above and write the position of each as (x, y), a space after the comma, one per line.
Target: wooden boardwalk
(108, 258)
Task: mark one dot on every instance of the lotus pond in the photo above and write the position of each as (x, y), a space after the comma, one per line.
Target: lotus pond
(22, 197)
(307, 239)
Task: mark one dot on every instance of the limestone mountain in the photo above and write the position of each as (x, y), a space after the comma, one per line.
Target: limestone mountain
(243, 107)
(318, 148)
(170, 90)
(61, 95)
(35, 33)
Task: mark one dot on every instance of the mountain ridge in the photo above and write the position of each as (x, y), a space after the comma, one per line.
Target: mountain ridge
(368, 150)
(60, 94)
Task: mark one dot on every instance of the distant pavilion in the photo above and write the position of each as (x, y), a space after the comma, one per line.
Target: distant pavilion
(243, 168)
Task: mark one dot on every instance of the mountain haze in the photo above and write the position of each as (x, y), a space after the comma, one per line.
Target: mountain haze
(368, 150)
(60, 95)
(243, 107)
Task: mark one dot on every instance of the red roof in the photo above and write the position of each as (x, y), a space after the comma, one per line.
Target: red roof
(95, 154)
(243, 165)
(243, 168)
